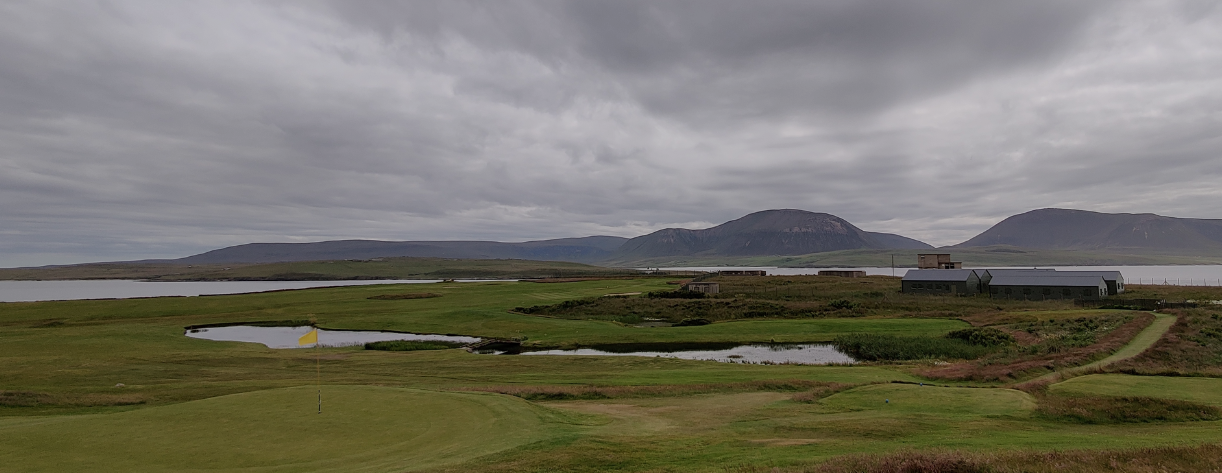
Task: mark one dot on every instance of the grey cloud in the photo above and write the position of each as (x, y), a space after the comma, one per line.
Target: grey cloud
(156, 129)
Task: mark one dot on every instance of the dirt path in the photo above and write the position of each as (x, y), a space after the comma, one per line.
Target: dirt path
(1144, 339)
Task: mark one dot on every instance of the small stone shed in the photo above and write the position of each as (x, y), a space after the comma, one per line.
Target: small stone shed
(843, 273)
(1038, 287)
(705, 287)
(742, 272)
(941, 281)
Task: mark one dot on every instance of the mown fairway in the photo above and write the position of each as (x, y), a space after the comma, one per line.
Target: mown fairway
(229, 406)
(362, 428)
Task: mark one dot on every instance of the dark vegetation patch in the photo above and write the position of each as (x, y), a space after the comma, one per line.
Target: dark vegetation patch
(411, 345)
(1192, 347)
(49, 323)
(1056, 344)
(396, 297)
(1114, 410)
(746, 297)
(874, 347)
(983, 336)
(41, 399)
(1133, 460)
(680, 294)
(258, 323)
(635, 310)
(812, 389)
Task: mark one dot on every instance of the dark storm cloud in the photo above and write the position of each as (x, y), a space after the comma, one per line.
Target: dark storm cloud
(153, 129)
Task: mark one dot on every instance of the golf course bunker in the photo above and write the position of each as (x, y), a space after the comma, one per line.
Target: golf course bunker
(755, 353)
(286, 337)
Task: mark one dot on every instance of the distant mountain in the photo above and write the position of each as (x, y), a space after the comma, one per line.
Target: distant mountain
(892, 241)
(770, 232)
(1064, 229)
(577, 250)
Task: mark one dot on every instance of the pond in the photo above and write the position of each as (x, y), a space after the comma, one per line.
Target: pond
(755, 353)
(286, 337)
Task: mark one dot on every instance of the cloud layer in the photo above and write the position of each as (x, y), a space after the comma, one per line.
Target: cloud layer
(161, 129)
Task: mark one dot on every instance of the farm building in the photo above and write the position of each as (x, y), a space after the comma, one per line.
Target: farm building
(705, 287)
(1044, 285)
(941, 281)
(740, 272)
(843, 273)
(937, 261)
(1114, 280)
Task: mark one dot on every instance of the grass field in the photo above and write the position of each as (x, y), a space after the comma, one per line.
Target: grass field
(228, 406)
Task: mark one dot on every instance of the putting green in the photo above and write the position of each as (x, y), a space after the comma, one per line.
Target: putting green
(361, 428)
(1202, 390)
(914, 399)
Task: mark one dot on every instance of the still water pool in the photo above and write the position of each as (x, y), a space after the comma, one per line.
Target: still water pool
(757, 353)
(286, 337)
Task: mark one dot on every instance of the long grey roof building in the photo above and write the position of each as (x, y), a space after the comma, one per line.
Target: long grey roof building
(1048, 286)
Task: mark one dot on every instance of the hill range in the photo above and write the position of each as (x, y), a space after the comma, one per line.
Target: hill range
(793, 238)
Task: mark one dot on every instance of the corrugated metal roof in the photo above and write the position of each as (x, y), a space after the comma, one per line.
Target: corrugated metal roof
(938, 274)
(1047, 280)
(1108, 275)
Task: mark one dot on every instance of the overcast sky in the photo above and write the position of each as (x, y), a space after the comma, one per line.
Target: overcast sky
(161, 129)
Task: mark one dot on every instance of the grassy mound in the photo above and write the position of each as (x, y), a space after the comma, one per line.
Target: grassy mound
(361, 428)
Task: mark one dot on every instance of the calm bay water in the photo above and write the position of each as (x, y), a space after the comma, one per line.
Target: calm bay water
(25, 291)
(1196, 275)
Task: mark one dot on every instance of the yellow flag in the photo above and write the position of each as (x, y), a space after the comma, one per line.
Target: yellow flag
(309, 338)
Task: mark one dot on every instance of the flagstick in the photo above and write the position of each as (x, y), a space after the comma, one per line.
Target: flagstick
(318, 379)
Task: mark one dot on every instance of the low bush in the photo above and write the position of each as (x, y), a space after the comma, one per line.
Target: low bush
(411, 345)
(396, 297)
(982, 336)
(680, 294)
(872, 347)
(1113, 410)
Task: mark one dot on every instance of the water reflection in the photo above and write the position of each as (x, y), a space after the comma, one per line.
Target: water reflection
(286, 337)
(760, 353)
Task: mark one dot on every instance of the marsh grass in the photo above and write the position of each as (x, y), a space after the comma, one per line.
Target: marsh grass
(808, 390)
(411, 345)
(1055, 344)
(1134, 460)
(43, 399)
(1193, 347)
(875, 347)
(1115, 410)
(397, 297)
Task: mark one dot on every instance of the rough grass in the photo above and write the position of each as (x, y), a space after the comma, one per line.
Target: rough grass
(44, 399)
(397, 297)
(1111, 410)
(1058, 344)
(1136, 460)
(808, 390)
(1193, 347)
(411, 345)
(875, 347)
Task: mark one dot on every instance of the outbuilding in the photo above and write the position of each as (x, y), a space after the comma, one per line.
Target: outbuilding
(1049, 286)
(1114, 280)
(843, 273)
(705, 287)
(941, 281)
